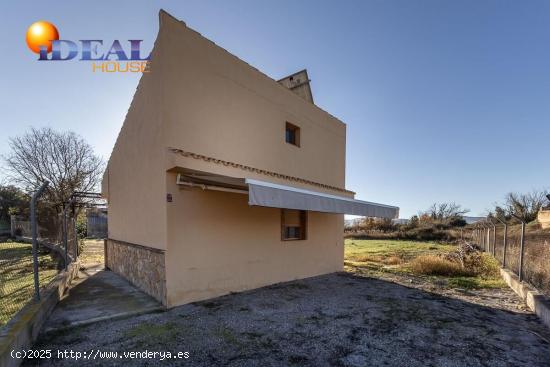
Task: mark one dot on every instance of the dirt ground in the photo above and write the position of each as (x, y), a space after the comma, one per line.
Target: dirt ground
(333, 320)
(93, 253)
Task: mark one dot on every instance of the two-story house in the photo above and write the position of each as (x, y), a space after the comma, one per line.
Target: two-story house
(223, 179)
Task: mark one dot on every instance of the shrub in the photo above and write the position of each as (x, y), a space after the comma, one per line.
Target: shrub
(81, 225)
(435, 265)
(457, 222)
(482, 264)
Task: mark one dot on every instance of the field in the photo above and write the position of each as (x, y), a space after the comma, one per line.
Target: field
(418, 262)
(16, 276)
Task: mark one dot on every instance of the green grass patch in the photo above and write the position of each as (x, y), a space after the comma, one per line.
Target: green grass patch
(17, 278)
(421, 259)
(355, 249)
(475, 282)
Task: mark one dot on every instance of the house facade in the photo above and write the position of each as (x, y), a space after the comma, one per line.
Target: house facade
(223, 179)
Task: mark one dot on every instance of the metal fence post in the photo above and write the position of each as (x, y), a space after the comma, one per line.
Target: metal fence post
(485, 238)
(522, 243)
(488, 240)
(491, 246)
(75, 234)
(65, 235)
(34, 238)
(505, 243)
(481, 241)
(494, 240)
(12, 225)
(480, 238)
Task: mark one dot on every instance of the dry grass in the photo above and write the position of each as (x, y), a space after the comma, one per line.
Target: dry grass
(369, 258)
(393, 260)
(455, 265)
(435, 265)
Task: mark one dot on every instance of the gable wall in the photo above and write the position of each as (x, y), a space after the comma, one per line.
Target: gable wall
(219, 106)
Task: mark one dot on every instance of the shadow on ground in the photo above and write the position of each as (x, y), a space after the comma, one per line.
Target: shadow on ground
(331, 320)
(99, 294)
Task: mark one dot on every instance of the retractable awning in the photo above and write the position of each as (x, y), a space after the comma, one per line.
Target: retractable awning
(280, 196)
(263, 193)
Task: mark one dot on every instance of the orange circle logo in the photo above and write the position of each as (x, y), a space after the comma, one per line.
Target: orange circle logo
(41, 34)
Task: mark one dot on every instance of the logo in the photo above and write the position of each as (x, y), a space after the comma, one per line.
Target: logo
(43, 39)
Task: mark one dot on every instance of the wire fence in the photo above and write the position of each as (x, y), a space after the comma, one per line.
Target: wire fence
(526, 253)
(21, 281)
(17, 275)
(39, 247)
(51, 229)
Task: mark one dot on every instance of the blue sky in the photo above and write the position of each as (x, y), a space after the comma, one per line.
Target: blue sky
(444, 100)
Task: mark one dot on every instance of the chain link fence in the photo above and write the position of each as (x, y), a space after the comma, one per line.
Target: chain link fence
(25, 273)
(527, 255)
(17, 274)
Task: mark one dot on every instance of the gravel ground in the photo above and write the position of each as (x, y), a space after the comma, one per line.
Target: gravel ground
(332, 320)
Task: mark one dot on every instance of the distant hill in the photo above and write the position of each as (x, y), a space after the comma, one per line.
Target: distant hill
(471, 220)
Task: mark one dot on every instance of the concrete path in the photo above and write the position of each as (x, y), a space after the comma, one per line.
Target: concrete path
(99, 295)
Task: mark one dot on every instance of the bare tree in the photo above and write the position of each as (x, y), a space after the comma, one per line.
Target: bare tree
(64, 159)
(444, 211)
(525, 206)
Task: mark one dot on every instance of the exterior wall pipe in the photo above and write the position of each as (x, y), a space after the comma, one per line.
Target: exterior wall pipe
(179, 181)
(34, 238)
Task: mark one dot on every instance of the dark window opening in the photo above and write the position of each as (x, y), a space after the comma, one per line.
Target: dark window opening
(292, 134)
(293, 224)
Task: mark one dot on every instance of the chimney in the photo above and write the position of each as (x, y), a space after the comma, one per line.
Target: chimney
(299, 84)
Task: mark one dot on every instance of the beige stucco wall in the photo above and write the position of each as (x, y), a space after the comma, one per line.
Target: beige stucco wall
(218, 244)
(221, 107)
(134, 182)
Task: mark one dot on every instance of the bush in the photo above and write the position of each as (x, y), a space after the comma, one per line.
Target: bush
(81, 225)
(482, 264)
(464, 261)
(435, 265)
(457, 222)
(421, 232)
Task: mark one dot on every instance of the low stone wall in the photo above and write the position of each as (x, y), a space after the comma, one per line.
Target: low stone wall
(21, 331)
(536, 301)
(143, 266)
(544, 218)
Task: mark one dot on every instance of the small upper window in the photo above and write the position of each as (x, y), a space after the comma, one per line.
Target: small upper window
(292, 134)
